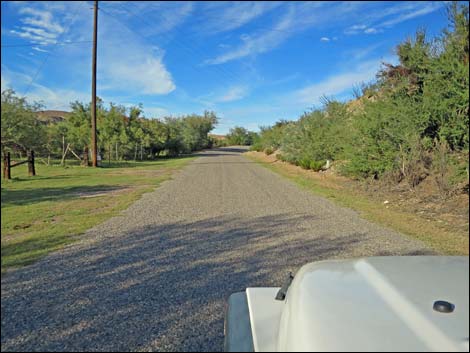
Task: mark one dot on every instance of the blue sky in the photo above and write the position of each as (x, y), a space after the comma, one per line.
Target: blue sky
(253, 63)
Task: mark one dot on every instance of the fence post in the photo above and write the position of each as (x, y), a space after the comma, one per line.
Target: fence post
(6, 166)
(85, 157)
(31, 169)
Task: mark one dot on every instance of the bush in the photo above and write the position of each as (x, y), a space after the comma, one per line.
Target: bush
(441, 168)
(269, 151)
(317, 165)
(305, 163)
(388, 131)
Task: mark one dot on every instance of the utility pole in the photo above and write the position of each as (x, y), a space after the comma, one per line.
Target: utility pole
(94, 146)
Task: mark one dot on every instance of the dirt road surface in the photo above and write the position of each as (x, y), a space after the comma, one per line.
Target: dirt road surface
(156, 278)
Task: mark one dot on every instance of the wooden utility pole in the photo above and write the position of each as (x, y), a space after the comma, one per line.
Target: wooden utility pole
(94, 145)
(6, 166)
(31, 168)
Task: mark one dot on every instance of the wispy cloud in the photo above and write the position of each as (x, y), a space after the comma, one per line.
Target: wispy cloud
(155, 112)
(259, 43)
(141, 69)
(40, 26)
(158, 16)
(52, 98)
(296, 18)
(40, 50)
(325, 39)
(371, 30)
(376, 21)
(233, 94)
(416, 12)
(337, 84)
(5, 83)
(227, 16)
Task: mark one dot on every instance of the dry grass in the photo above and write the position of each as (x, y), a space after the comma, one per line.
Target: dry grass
(420, 214)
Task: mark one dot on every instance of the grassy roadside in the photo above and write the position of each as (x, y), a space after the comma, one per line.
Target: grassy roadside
(434, 234)
(43, 213)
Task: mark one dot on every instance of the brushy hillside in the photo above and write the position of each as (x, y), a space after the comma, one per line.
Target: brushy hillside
(410, 125)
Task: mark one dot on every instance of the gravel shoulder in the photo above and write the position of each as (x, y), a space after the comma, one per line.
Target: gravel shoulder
(156, 278)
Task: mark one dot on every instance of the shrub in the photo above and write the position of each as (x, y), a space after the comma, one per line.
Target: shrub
(305, 163)
(317, 165)
(269, 151)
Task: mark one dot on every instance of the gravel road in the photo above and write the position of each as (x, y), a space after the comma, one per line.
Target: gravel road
(156, 277)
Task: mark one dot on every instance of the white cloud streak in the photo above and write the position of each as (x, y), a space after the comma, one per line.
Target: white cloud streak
(40, 26)
(227, 16)
(337, 84)
(296, 18)
(141, 69)
(259, 43)
(234, 93)
(377, 21)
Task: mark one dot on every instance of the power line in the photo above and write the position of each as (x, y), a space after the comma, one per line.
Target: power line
(49, 44)
(220, 70)
(143, 37)
(249, 23)
(49, 54)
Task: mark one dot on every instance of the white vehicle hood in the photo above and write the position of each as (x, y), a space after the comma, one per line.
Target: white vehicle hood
(375, 304)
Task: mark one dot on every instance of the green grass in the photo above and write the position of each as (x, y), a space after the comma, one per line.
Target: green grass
(440, 239)
(43, 213)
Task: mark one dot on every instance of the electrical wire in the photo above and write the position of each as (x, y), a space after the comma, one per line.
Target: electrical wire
(43, 44)
(220, 70)
(49, 54)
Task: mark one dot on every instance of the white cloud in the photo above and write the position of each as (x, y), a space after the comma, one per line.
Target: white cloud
(155, 112)
(371, 31)
(325, 39)
(227, 16)
(146, 74)
(5, 83)
(338, 84)
(41, 19)
(416, 12)
(156, 16)
(259, 43)
(40, 26)
(59, 99)
(40, 50)
(140, 69)
(51, 98)
(354, 29)
(297, 17)
(233, 94)
(376, 21)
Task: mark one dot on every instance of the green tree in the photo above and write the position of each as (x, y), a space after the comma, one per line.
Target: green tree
(20, 130)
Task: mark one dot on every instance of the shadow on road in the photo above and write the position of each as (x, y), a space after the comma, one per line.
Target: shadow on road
(157, 288)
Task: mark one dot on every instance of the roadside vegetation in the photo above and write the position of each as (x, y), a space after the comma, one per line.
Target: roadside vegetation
(442, 226)
(398, 152)
(44, 213)
(123, 134)
(241, 136)
(410, 125)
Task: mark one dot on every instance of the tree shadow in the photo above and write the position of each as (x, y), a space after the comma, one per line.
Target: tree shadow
(158, 288)
(31, 196)
(136, 164)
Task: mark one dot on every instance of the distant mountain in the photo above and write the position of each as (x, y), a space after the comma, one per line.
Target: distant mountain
(52, 116)
(219, 137)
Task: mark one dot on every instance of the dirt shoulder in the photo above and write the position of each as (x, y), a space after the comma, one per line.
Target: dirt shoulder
(443, 224)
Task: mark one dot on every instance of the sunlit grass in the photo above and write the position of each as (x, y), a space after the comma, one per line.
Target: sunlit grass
(432, 234)
(43, 213)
